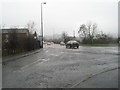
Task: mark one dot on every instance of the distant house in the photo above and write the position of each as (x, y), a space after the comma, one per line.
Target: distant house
(21, 32)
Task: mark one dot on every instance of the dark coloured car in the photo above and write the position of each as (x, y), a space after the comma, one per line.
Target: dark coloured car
(72, 44)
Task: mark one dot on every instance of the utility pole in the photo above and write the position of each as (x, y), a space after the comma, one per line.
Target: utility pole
(42, 23)
(74, 34)
(53, 35)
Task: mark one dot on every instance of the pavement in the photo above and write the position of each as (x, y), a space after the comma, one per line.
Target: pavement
(18, 56)
(54, 66)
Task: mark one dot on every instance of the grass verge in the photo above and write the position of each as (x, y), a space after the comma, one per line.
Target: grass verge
(98, 44)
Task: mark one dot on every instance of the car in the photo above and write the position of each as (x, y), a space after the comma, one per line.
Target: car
(62, 43)
(52, 42)
(72, 44)
(44, 42)
(48, 43)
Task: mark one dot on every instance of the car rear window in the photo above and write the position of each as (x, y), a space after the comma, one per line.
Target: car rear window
(72, 41)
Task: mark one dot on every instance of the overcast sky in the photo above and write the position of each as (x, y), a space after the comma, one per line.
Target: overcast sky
(62, 15)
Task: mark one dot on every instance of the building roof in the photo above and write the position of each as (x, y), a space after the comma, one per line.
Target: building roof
(17, 30)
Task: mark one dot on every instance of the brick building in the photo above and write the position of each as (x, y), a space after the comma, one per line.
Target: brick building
(20, 32)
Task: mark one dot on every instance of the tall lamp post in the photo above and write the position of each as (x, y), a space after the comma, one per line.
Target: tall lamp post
(42, 23)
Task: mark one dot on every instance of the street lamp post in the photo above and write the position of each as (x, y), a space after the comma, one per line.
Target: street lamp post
(42, 23)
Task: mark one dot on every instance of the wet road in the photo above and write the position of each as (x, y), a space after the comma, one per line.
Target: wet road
(58, 67)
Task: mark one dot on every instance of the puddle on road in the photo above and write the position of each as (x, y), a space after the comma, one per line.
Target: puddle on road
(46, 51)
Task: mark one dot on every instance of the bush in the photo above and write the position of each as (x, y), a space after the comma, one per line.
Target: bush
(19, 44)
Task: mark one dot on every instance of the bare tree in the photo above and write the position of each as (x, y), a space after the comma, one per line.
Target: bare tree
(31, 26)
(64, 36)
(83, 31)
(92, 28)
(88, 31)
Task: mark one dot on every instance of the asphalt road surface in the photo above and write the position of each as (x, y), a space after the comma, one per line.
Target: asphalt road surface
(57, 67)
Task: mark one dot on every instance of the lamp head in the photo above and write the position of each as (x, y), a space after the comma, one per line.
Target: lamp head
(44, 2)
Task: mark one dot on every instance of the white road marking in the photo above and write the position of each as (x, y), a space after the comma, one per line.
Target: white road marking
(36, 62)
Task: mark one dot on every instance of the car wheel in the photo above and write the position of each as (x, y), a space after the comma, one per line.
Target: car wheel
(69, 46)
(66, 46)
